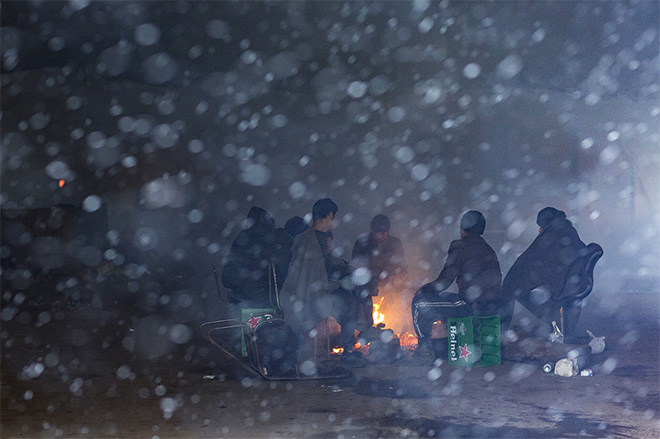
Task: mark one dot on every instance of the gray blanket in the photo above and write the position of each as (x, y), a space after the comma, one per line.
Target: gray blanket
(304, 294)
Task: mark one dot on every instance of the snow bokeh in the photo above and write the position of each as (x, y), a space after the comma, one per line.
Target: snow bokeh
(137, 135)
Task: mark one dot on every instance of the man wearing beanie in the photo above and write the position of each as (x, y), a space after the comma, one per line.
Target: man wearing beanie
(537, 278)
(474, 266)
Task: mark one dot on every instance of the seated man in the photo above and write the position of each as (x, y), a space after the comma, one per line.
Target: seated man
(247, 273)
(283, 243)
(474, 266)
(544, 277)
(317, 285)
(382, 254)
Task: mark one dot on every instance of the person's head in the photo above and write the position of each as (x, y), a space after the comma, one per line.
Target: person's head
(380, 228)
(259, 219)
(545, 217)
(295, 226)
(323, 214)
(472, 223)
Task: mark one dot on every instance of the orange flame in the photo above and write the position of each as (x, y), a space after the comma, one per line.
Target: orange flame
(405, 338)
(379, 317)
(61, 183)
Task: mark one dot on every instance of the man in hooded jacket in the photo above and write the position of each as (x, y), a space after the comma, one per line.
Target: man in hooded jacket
(248, 271)
(539, 276)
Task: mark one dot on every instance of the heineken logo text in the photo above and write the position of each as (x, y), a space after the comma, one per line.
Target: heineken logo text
(453, 341)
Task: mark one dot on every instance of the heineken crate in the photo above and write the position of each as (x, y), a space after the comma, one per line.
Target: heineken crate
(252, 317)
(474, 341)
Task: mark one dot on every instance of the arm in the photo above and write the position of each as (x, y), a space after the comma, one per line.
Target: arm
(450, 270)
(399, 260)
(361, 248)
(233, 273)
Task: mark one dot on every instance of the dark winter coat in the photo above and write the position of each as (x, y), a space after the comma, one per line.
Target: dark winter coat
(547, 260)
(474, 266)
(386, 263)
(247, 273)
(282, 257)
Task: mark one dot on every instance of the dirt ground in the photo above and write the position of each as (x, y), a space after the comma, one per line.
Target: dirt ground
(96, 373)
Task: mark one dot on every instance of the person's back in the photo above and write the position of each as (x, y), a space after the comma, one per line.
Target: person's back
(478, 274)
(547, 260)
(247, 271)
(284, 237)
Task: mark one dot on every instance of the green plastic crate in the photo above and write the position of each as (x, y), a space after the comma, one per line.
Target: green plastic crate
(252, 317)
(474, 341)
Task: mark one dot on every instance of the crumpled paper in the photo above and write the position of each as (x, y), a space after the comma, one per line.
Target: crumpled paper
(567, 367)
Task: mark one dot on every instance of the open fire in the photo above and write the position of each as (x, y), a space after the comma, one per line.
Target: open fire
(406, 338)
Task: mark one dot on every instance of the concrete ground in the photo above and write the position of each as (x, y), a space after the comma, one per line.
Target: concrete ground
(90, 373)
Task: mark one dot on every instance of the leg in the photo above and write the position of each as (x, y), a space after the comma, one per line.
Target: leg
(571, 309)
(429, 307)
(365, 317)
(540, 303)
(368, 306)
(344, 308)
(503, 308)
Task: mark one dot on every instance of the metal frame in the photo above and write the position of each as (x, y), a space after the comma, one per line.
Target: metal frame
(253, 365)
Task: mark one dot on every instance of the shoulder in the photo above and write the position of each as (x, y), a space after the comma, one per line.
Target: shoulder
(395, 242)
(456, 245)
(304, 237)
(483, 243)
(363, 242)
(242, 239)
(363, 239)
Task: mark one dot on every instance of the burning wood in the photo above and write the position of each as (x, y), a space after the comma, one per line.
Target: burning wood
(406, 338)
(386, 349)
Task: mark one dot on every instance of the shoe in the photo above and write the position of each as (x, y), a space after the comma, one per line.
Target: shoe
(440, 348)
(352, 359)
(424, 351)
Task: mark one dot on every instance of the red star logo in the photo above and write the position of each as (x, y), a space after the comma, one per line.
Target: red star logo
(464, 352)
(253, 321)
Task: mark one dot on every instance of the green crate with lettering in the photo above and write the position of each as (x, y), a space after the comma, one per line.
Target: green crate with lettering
(474, 341)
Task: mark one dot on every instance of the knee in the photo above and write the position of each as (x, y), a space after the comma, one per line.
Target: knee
(420, 296)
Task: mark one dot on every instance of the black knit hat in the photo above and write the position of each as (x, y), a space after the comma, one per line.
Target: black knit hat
(295, 226)
(473, 222)
(545, 216)
(380, 223)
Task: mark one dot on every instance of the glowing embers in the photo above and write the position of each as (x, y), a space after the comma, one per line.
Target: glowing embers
(407, 339)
